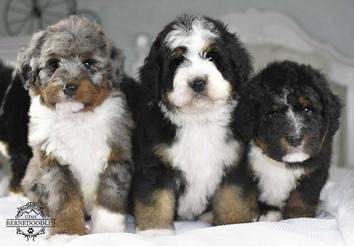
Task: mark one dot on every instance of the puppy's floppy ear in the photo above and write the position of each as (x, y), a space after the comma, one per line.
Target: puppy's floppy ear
(331, 103)
(246, 113)
(333, 107)
(239, 57)
(150, 72)
(117, 58)
(27, 59)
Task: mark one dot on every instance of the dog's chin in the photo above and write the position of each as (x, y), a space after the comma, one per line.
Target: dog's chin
(69, 107)
(295, 156)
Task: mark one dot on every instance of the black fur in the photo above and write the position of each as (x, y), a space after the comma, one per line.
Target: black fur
(14, 122)
(154, 128)
(262, 119)
(160, 65)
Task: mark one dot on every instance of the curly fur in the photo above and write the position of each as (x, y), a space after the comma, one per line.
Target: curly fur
(185, 145)
(283, 102)
(81, 138)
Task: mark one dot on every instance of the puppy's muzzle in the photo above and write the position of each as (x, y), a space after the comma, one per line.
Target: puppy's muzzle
(70, 89)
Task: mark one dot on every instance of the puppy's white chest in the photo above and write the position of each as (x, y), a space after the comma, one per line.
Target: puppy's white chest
(201, 152)
(275, 180)
(78, 140)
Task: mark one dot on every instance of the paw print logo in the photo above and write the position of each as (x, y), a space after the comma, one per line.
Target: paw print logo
(30, 230)
(33, 213)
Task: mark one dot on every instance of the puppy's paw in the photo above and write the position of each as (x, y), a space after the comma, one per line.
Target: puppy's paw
(156, 232)
(104, 220)
(271, 216)
(58, 239)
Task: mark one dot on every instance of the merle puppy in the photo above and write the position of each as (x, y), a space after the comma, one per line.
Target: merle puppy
(290, 115)
(14, 105)
(80, 127)
(186, 149)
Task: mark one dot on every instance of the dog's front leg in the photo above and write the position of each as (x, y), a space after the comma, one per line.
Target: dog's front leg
(110, 210)
(154, 197)
(154, 215)
(233, 203)
(303, 201)
(65, 202)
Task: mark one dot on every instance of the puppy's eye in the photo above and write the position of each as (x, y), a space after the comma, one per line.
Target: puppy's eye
(308, 110)
(53, 64)
(89, 63)
(273, 114)
(178, 61)
(211, 56)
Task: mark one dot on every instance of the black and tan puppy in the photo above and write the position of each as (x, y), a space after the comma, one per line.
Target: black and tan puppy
(14, 105)
(79, 127)
(290, 115)
(186, 148)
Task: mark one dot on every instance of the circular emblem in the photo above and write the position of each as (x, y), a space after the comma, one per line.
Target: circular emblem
(30, 221)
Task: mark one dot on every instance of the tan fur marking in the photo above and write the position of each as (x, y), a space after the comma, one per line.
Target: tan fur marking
(86, 55)
(231, 205)
(91, 96)
(160, 151)
(304, 102)
(115, 155)
(284, 144)
(50, 94)
(47, 160)
(157, 215)
(297, 208)
(71, 219)
(262, 145)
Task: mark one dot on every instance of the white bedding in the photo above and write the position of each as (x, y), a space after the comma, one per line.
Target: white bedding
(313, 232)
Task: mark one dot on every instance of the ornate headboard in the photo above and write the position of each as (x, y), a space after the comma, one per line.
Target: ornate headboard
(272, 36)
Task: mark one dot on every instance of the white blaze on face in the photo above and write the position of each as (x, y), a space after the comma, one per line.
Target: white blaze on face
(295, 154)
(295, 120)
(196, 40)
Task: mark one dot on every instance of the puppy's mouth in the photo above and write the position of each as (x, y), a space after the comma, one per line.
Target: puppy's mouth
(295, 155)
(67, 107)
(195, 101)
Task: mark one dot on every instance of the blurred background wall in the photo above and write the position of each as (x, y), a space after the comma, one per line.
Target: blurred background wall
(329, 21)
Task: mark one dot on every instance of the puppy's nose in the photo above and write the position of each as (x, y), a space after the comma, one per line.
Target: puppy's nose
(294, 140)
(69, 89)
(198, 85)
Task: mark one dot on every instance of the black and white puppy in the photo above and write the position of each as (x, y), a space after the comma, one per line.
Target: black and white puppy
(80, 127)
(186, 147)
(290, 115)
(14, 105)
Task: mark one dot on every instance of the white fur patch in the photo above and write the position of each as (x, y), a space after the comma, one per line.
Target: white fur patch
(65, 108)
(104, 220)
(4, 149)
(196, 66)
(196, 35)
(156, 232)
(76, 138)
(295, 157)
(296, 120)
(271, 216)
(202, 152)
(276, 181)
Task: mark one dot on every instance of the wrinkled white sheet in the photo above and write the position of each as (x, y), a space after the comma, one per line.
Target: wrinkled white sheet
(297, 232)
